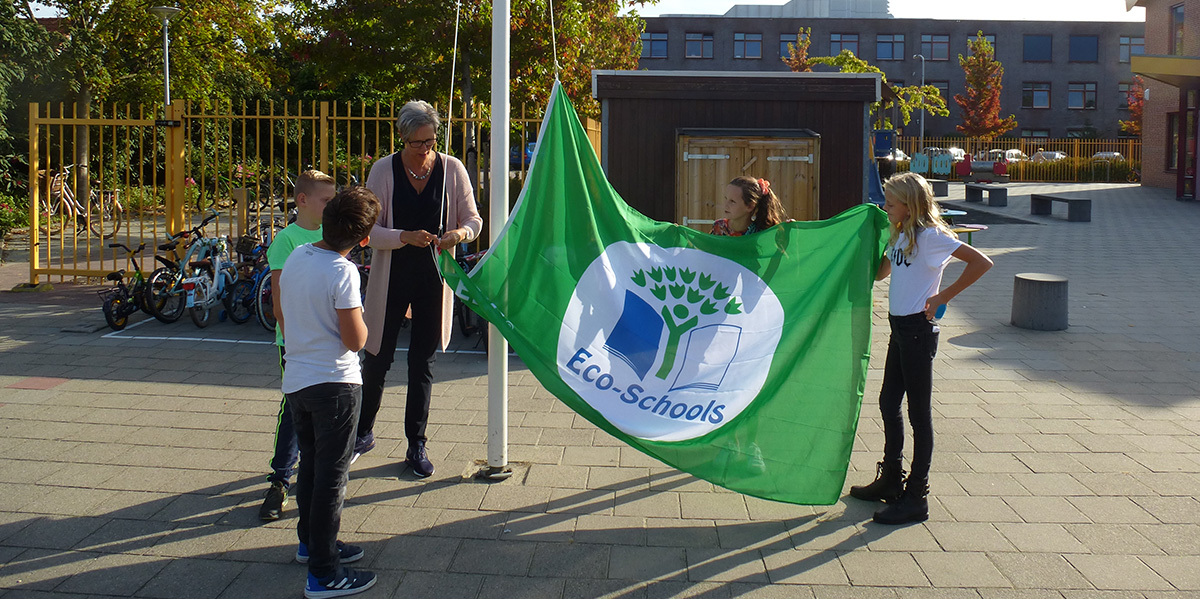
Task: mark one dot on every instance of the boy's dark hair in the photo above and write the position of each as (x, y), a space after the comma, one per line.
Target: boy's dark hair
(348, 217)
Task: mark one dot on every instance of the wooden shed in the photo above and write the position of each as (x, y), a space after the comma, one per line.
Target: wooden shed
(671, 140)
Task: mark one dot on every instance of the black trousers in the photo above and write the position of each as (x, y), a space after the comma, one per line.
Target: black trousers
(909, 371)
(414, 283)
(326, 416)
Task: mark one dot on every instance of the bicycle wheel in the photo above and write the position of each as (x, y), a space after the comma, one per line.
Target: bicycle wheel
(201, 317)
(113, 312)
(263, 306)
(239, 301)
(106, 220)
(164, 299)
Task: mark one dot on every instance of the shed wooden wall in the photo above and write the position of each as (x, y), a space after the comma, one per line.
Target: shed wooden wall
(643, 113)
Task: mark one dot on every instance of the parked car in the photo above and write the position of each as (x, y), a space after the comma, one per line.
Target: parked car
(955, 154)
(1110, 156)
(959, 154)
(1013, 155)
(898, 154)
(515, 159)
(1047, 156)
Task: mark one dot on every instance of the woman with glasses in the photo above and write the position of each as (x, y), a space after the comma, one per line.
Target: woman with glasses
(427, 205)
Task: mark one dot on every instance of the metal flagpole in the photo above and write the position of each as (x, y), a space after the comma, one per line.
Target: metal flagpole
(497, 215)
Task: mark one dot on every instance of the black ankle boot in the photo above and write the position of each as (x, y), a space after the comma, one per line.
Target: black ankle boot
(913, 505)
(889, 483)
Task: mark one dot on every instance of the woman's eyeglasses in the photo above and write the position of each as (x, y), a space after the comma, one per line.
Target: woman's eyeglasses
(421, 143)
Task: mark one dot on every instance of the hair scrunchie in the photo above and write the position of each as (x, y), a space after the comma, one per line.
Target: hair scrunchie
(764, 186)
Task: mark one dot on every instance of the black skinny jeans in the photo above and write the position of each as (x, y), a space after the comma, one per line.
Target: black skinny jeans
(326, 416)
(414, 282)
(909, 371)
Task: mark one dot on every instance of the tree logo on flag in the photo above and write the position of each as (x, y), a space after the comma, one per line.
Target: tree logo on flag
(668, 343)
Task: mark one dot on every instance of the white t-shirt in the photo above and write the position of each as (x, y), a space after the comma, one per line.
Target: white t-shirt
(915, 277)
(315, 284)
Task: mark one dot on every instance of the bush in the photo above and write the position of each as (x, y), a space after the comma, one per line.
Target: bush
(14, 214)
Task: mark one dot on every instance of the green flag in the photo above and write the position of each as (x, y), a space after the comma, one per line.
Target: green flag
(740, 360)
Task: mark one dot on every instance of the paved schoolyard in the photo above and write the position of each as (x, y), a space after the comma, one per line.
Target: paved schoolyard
(1066, 464)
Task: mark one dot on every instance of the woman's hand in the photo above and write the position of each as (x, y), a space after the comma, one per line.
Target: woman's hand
(418, 238)
(451, 239)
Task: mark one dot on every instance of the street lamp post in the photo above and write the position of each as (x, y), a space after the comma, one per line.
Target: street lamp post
(921, 148)
(165, 13)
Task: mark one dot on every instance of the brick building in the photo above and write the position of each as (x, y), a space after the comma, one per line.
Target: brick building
(1171, 69)
(1061, 79)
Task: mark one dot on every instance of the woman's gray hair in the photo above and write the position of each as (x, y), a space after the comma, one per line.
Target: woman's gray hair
(414, 115)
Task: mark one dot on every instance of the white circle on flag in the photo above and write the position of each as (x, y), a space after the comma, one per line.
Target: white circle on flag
(668, 344)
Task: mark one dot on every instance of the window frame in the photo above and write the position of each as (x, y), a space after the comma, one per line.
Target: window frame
(930, 46)
(945, 87)
(1071, 49)
(891, 44)
(746, 41)
(1031, 88)
(653, 37)
(1127, 44)
(1085, 91)
(1025, 47)
(1176, 29)
(1029, 133)
(850, 38)
(706, 45)
(1123, 104)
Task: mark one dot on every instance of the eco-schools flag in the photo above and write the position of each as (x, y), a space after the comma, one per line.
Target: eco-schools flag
(740, 360)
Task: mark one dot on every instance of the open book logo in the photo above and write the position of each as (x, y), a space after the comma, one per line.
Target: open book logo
(668, 343)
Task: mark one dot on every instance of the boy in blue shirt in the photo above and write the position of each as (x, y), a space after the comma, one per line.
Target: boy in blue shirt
(322, 321)
(313, 190)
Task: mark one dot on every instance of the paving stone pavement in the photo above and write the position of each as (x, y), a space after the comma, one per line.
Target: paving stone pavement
(1067, 463)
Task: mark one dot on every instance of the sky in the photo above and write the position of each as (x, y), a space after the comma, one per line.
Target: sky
(1026, 10)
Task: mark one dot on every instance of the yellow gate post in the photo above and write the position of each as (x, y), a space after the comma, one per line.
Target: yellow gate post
(323, 135)
(174, 167)
(35, 186)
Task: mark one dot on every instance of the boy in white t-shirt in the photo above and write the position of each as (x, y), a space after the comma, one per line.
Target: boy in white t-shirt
(918, 251)
(322, 312)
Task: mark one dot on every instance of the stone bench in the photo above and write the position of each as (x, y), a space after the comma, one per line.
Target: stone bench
(997, 194)
(1078, 209)
(1039, 302)
(941, 187)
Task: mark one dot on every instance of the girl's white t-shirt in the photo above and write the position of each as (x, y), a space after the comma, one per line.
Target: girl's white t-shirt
(918, 276)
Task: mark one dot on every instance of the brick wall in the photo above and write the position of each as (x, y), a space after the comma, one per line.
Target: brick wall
(1163, 98)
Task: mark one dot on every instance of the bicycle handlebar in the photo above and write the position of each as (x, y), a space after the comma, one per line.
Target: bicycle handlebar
(127, 250)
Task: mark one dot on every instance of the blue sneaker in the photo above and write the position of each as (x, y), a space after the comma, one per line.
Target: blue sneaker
(346, 553)
(349, 582)
(418, 459)
(362, 445)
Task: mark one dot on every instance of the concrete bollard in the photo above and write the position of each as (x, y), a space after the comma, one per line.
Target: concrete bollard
(1039, 302)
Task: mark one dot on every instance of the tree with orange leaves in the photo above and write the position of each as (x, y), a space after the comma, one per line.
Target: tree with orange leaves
(981, 104)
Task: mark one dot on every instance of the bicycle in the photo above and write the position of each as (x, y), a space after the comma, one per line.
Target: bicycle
(123, 300)
(210, 280)
(241, 301)
(164, 292)
(1134, 176)
(101, 215)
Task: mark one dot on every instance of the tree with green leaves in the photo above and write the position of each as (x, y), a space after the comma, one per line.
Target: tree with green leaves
(405, 49)
(981, 104)
(910, 97)
(686, 296)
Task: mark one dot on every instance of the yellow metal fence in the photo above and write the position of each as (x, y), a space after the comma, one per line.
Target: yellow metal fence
(132, 175)
(1083, 160)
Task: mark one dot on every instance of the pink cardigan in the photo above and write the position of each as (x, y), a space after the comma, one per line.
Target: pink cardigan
(460, 213)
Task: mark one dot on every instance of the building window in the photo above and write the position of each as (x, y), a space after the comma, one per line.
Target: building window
(943, 88)
(1081, 132)
(1038, 48)
(1085, 48)
(935, 47)
(747, 45)
(784, 40)
(1132, 46)
(1172, 141)
(698, 45)
(889, 47)
(1035, 94)
(987, 36)
(843, 41)
(1035, 133)
(896, 83)
(1081, 96)
(654, 45)
(1176, 30)
(1123, 102)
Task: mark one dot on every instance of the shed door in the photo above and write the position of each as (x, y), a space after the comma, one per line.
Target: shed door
(706, 164)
